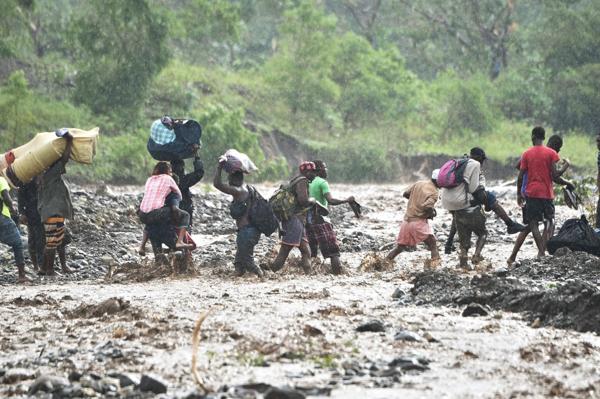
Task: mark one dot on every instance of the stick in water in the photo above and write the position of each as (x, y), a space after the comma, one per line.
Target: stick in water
(195, 347)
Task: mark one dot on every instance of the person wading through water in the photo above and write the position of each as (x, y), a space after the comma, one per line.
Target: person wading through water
(488, 200)
(535, 190)
(27, 198)
(415, 228)
(185, 181)
(153, 210)
(293, 232)
(248, 235)
(55, 207)
(320, 232)
(467, 217)
(9, 232)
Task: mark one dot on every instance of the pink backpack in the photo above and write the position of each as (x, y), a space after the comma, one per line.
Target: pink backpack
(452, 173)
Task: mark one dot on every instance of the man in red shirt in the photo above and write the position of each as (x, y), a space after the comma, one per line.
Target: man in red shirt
(540, 164)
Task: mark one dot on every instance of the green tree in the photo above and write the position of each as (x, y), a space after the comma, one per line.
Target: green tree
(301, 70)
(121, 48)
(208, 29)
(16, 116)
(576, 99)
(374, 83)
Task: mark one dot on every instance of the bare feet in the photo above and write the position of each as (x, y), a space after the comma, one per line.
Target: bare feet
(142, 251)
(65, 269)
(432, 263)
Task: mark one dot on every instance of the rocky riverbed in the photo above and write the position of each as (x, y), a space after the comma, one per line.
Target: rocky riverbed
(119, 326)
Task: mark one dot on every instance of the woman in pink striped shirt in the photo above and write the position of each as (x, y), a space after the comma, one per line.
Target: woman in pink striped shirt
(160, 204)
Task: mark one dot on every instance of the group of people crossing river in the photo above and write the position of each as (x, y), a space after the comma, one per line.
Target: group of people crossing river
(298, 211)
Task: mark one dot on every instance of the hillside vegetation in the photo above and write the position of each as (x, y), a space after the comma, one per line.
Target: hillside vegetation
(355, 82)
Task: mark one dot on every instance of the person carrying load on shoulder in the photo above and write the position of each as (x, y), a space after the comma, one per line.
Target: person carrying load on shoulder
(415, 227)
(290, 204)
(457, 198)
(319, 230)
(160, 205)
(489, 202)
(173, 139)
(55, 208)
(247, 209)
(9, 232)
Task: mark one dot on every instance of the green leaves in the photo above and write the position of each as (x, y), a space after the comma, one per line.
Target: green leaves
(121, 48)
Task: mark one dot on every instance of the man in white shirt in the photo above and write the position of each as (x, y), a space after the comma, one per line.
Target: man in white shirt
(468, 218)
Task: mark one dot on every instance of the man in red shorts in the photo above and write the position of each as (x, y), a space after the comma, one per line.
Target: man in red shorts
(415, 228)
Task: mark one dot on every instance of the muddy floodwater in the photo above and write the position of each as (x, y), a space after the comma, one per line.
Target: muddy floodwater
(119, 326)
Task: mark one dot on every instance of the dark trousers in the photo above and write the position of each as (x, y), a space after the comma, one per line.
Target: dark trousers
(163, 216)
(9, 235)
(36, 239)
(247, 238)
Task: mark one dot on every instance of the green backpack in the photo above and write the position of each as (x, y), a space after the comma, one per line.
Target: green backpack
(283, 202)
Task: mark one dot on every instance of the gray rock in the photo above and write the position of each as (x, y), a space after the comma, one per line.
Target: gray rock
(371, 326)
(124, 379)
(282, 393)
(48, 383)
(18, 374)
(475, 309)
(409, 336)
(398, 293)
(152, 384)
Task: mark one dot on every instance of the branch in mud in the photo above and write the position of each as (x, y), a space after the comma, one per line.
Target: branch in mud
(195, 347)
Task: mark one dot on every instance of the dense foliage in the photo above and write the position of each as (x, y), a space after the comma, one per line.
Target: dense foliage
(356, 82)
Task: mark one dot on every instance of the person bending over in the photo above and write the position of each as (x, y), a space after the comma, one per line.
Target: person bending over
(415, 228)
(293, 232)
(153, 209)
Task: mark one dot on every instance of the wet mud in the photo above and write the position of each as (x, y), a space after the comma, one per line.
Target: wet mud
(121, 325)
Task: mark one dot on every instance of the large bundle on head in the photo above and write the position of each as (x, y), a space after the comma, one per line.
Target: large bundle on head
(235, 161)
(173, 139)
(44, 149)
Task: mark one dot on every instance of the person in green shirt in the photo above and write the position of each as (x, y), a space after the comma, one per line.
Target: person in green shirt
(320, 231)
(9, 233)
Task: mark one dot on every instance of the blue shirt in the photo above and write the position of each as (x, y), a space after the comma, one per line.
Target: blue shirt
(160, 133)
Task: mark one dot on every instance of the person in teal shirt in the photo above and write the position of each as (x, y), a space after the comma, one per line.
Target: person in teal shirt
(320, 231)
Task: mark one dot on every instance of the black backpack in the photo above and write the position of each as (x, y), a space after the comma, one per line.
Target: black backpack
(577, 235)
(261, 214)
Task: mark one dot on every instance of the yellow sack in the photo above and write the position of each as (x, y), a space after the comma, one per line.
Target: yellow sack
(44, 149)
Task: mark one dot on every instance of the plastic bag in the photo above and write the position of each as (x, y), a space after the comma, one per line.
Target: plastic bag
(577, 235)
(235, 161)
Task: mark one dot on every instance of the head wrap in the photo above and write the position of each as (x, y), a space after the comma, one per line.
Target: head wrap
(306, 165)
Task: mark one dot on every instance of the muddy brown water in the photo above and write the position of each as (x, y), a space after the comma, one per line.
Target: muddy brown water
(290, 329)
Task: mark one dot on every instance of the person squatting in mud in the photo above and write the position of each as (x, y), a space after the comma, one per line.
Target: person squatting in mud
(55, 207)
(488, 200)
(538, 169)
(293, 232)
(248, 235)
(467, 213)
(159, 206)
(415, 227)
(319, 230)
(9, 232)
